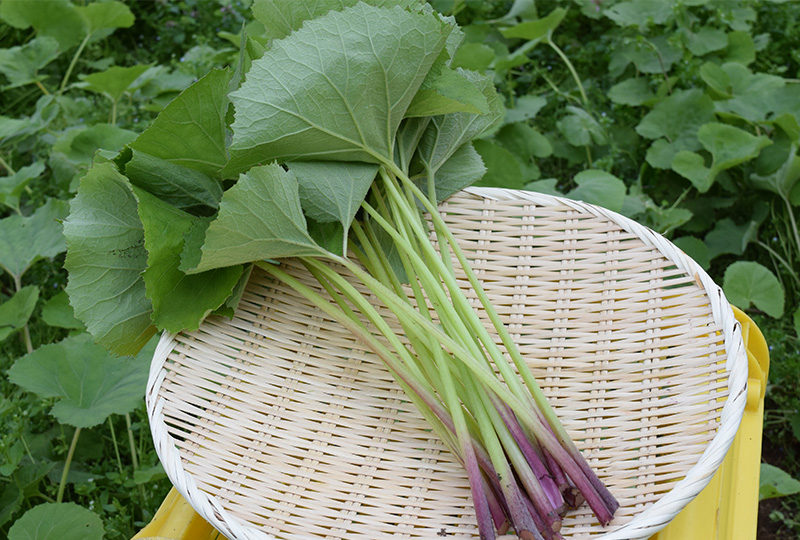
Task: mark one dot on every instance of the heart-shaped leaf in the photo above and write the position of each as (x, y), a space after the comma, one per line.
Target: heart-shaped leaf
(729, 146)
(174, 184)
(58, 19)
(280, 113)
(180, 301)
(333, 191)
(113, 82)
(88, 382)
(259, 218)
(539, 29)
(282, 17)
(191, 130)
(785, 179)
(105, 259)
(11, 187)
(775, 482)
(727, 237)
(634, 91)
(58, 312)
(26, 239)
(704, 40)
(449, 91)
(748, 282)
(102, 18)
(21, 64)
(600, 188)
(16, 311)
(57, 521)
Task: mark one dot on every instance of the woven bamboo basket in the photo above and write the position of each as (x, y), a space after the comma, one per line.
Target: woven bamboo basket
(278, 424)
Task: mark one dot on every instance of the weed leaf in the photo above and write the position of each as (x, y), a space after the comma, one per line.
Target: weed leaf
(57, 521)
(16, 311)
(775, 482)
(21, 64)
(748, 282)
(88, 382)
(26, 239)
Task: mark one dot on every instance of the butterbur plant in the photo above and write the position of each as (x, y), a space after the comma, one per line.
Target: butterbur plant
(334, 149)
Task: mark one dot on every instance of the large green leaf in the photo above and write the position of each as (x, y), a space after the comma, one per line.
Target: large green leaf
(640, 13)
(89, 382)
(336, 89)
(753, 95)
(80, 145)
(704, 40)
(785, 179)
(58, 19)
(634, 91)
(102, 18)
(748, 282)
(465, 167)
(180, 301)
(729, 146)
(11, 187)
(448, 92)
(259, 218)
(728, 237)
(444, 135)
(775, 482)
(332, 191)
(581, 129)
(105, 259)
(674, 123)
(21, 64)
(191, 130)
(58, 312)
(179, 186)
(282, 17)
(57, 521)
(15, 312)
(538, 29)
(502, 168)
(113, 82)
(26, 239)
(599, 187)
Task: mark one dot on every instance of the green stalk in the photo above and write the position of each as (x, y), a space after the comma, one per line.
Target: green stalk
(67, 462)
(26, 332)
(571, 69)
(116, 446)
(790, 211)
(72, 63)
(6, 166)
(134, 453)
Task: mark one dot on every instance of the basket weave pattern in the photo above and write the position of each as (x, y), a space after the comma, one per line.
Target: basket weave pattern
(279, 424)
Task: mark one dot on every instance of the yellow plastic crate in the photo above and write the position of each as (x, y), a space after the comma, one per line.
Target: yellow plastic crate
(727, 509)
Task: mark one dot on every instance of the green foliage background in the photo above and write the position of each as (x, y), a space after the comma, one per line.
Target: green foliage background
(684, 115)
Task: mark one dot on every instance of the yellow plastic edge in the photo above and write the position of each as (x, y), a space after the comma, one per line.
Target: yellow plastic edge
(727, 509)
